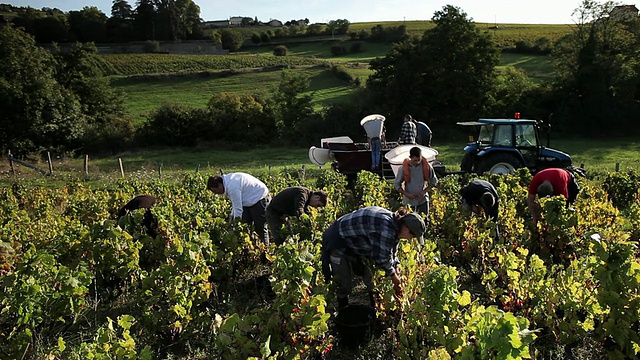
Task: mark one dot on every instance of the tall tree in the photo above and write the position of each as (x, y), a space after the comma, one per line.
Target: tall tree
(292, 106)
(445, 76)
(120, 9)
(597, 71)
(37, 112)
(144, 20)
(120, 24)
(168, 25)
(88, 24)
(190, 19)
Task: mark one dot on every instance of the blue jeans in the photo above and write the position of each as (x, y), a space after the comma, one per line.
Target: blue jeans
(375, 152)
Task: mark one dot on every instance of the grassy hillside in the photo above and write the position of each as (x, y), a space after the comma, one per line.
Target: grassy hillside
(146, 93)
(150, 80)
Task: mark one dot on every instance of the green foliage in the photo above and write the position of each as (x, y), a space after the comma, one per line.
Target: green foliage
(597, 71)
(231, 40)
(512, 91)
(151, 47)
(112, 341)
(173, 125)
(622, 188)
(355, 47)
(280, 50)
(37, 110)
(466, 293)
(455, 63)
(337, 49)
(292, 106)
(134, 64)
(341, 73)
(239, 118)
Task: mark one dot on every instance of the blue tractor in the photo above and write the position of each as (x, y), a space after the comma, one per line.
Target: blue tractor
(503, 145)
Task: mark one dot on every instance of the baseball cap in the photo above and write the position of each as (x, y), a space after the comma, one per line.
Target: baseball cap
(416, 225)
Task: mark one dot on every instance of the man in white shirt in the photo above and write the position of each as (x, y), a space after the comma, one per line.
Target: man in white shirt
(249, 199)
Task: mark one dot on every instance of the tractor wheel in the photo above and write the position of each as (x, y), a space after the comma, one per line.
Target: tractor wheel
(500, 164)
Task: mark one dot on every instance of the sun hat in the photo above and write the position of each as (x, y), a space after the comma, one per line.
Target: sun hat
(416, 225)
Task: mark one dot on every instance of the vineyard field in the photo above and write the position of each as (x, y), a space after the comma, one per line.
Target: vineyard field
(77, 284)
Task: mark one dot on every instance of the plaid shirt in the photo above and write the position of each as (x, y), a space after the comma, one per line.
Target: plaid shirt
(408, 133)
(372, 232)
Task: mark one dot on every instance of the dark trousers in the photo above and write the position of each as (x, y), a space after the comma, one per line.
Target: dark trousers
(573, 189)
(255, 214)
(341, 266)
(275, 221)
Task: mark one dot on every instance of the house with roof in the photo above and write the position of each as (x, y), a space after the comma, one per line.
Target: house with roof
(235, 20)
(624, 12)
(275, 23)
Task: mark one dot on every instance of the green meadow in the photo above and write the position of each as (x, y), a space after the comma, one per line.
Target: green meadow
(596, 156)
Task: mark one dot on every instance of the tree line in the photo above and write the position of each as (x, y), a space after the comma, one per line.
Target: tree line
(448, 74)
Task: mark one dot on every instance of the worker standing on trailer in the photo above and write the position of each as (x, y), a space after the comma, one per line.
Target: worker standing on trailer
(408, 132)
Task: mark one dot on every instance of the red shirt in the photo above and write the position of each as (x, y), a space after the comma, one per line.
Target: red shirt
(559, 179)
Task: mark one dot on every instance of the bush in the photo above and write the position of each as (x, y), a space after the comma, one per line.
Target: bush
(231, 40)
(280, 50)
(115, 137)
(356, 47)
(265, 38)
(255, 38)
(337, 49)
(173, 125)
(151, 47)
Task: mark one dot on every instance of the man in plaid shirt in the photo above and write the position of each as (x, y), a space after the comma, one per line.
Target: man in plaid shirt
(408, 132)
(371, 233)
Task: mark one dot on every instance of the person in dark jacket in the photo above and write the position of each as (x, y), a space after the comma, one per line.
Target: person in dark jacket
(293, 201)
(481, 195)
(148, 220)
(424, 134)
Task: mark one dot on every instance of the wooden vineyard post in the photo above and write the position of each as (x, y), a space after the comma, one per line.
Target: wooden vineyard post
(121, 169)
(50, 164)
(303, 172)
(160, 170)
(198, 168)
(13, 170)
(86, 166)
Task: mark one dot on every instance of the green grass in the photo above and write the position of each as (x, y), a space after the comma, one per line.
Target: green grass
(537, 67)
(145, 94)
(597, 156)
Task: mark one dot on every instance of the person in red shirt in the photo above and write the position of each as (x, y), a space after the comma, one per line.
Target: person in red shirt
(551, 182)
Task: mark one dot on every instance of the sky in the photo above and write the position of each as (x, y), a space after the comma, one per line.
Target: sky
(489, 11)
